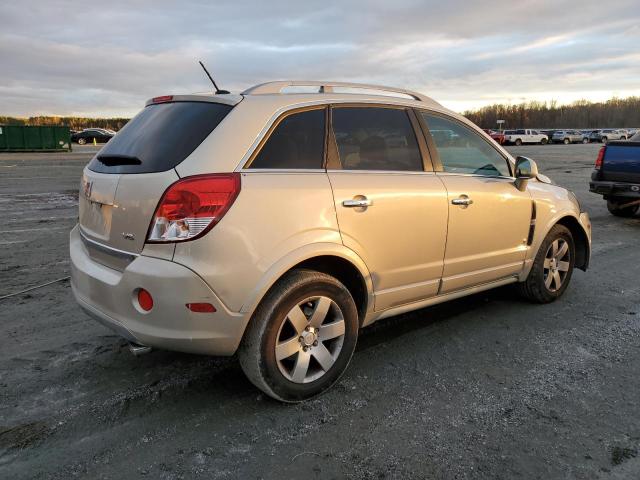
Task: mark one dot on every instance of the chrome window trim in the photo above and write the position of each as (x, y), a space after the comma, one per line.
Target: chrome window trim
(454, 174)
(381, 172)
(282, 170)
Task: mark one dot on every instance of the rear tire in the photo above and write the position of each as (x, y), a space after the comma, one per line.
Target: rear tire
(585, 140)
(566, 141)
(604, 140)
(552, 267)
(614, 208)
(284, 351)
(518, 142)
(82, 141)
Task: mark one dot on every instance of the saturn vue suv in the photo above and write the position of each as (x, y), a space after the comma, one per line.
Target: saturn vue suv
(278, 222)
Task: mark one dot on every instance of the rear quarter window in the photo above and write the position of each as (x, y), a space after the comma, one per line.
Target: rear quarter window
(159, 137)
(297, 142)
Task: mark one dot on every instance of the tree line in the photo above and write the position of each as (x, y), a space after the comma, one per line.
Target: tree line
(614, 113)
(75, 123)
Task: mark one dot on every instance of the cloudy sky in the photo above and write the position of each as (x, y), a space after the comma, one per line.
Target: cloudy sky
(105, 58)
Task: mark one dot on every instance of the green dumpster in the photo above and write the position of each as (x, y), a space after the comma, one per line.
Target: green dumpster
(16, 138)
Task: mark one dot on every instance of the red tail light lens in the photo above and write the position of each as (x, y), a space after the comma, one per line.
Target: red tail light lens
(192, 206)
(600, 158)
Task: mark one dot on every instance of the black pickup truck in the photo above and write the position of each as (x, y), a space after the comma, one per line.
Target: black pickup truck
(617, 176)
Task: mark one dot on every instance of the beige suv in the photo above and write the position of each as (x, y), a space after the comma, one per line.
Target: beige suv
(278, 222)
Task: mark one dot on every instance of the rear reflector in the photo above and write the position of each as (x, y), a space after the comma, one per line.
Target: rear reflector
(162, 99)
(192, 206)
(201, 307)
(600, 158)
(145, 300)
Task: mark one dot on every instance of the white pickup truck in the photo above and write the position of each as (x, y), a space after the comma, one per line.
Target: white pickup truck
(519, 137)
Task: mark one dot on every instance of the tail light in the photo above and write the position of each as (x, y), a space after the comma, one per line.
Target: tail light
(192, 206)
(600, 158)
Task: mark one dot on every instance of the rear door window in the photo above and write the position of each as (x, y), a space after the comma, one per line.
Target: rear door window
(372, 138)
(296, 143)
(159, 138)
(464, 151)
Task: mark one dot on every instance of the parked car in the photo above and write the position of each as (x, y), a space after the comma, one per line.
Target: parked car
(607, 134)
(616, 176)
(518, 137)
(262, 225)
(568, 136)
(497, 136)
(548, 133)
(89, 134)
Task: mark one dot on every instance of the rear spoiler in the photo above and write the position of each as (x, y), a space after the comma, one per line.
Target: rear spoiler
(226, 99)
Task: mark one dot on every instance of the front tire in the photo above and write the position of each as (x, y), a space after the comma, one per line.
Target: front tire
(552, 267)
(301, 337)
(82, 141)
(566, 141)
(604, 140)
(585, 140)
(518, 142)
(614, 209)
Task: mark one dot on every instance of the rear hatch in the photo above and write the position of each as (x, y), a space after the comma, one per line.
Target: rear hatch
(621, 162)
(123, 183)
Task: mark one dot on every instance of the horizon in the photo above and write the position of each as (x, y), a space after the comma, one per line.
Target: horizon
(462, 54)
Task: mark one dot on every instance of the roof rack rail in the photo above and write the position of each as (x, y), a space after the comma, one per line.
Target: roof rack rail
(327, 87)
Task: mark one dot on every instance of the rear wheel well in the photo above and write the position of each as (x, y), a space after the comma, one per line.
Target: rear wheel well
(346, 273)
(580, 240)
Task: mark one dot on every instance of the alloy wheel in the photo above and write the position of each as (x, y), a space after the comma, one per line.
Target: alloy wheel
(310, 339)
(556, 264)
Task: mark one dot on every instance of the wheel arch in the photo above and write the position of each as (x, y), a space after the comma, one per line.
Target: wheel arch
(580, 240)
(335, 260)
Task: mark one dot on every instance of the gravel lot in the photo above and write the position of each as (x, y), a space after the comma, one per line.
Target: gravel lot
(484, 387)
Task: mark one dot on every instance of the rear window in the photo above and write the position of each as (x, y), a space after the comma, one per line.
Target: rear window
(159, 137)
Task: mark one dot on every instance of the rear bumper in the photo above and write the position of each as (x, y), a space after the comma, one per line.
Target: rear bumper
(108, 296)
(615, 189)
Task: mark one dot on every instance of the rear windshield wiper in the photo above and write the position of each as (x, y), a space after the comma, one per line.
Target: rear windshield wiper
(113, 160)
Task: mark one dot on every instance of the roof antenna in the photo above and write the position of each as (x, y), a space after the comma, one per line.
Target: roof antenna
(218, 91)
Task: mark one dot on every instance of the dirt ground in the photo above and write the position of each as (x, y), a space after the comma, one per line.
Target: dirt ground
(484, 387)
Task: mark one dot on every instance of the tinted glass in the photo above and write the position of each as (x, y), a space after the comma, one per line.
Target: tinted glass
(297, 142)
(462, 150)
(376, 139)
(159, 137)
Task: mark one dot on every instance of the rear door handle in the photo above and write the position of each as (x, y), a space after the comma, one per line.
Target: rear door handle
(357, 202)
(462, 200)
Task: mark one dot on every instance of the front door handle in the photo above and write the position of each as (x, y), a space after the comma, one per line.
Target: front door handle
(462, 200)
(359, 202)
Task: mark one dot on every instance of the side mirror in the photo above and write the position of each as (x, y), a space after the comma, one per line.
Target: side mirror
(526, 169)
